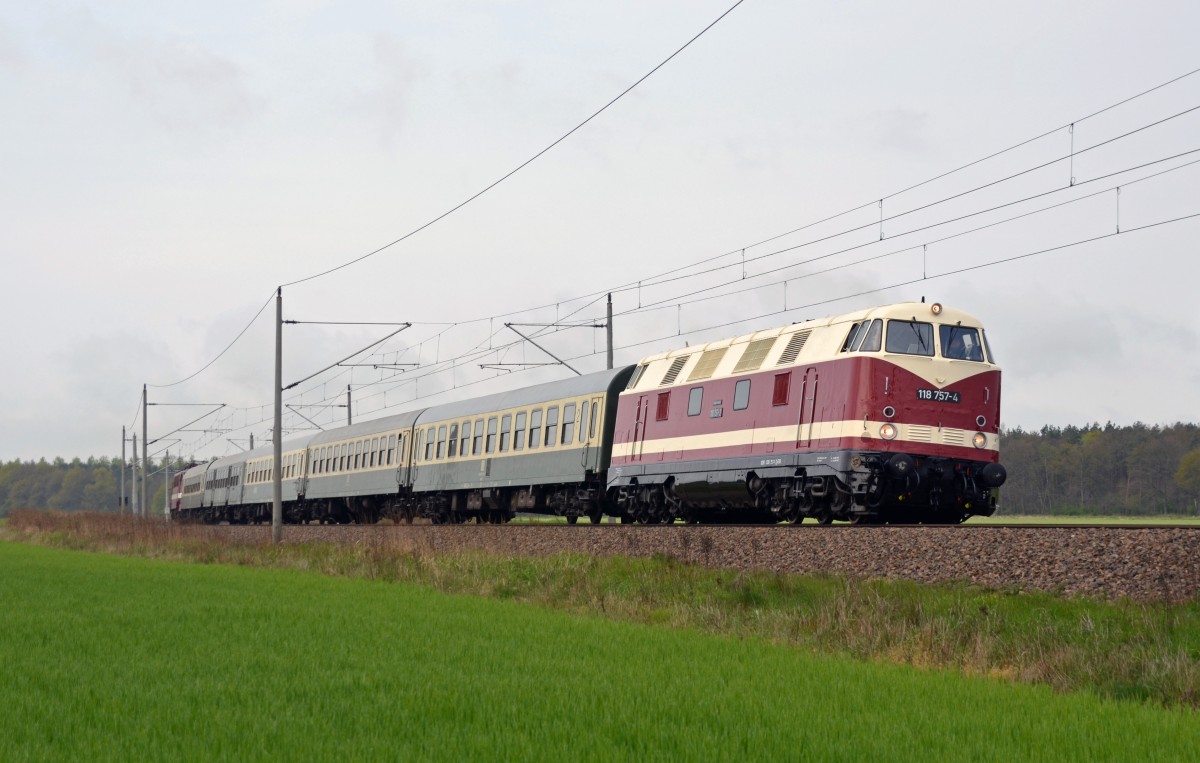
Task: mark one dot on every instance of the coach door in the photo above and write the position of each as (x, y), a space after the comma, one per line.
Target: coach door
(808, 409)
(639, 428)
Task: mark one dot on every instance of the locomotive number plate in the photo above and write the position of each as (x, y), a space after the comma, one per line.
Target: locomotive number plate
(938, 395)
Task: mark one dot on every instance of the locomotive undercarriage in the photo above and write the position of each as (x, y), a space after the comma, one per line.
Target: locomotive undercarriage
(877, 488)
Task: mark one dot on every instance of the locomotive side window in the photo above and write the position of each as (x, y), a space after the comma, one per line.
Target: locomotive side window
(961, 343)
(551, 426)
(695, 400)
(741, 395)
(910, 338)
(535, 429)
(568, 426)
(664, 406)
(783, 384)
(850, 337)
(872, 338)
(519, 432)
(505, 432)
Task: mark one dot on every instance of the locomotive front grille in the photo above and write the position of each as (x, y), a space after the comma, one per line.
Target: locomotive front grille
(918, 433)
(954, 437)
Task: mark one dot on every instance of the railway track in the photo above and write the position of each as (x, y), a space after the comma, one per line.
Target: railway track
(1157, 562)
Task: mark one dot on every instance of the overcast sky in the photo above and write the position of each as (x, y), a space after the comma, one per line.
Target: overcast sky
(167, 165)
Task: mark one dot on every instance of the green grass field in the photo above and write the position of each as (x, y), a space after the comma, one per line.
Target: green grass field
(113, 658)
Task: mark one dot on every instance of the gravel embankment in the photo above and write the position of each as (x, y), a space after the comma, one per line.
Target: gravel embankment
(1140, 563)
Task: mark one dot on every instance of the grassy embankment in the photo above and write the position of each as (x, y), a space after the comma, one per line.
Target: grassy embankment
(1124, 650)
(109, 658)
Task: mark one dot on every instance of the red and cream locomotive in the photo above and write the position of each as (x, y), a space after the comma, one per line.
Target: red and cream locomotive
(890, 414)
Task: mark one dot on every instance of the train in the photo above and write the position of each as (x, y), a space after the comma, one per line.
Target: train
(884, 415)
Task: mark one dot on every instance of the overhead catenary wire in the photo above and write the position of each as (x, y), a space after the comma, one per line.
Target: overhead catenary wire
(697, 263)
(524, 164)
(598, 294)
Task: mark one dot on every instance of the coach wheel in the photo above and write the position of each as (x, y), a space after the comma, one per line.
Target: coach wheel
(825, 518)
(595, 516)
(572, 519)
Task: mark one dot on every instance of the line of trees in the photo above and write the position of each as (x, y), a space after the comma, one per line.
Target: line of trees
(93, 485)
(1131, 470)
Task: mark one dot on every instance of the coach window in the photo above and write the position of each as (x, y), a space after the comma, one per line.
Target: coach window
(568, 427)
(695, 401)
(477, 444)
(359, 461)
(341, 460)
(430, 443)
(519, 431)
(535, 429)
(783, 384)
(491, 435)
(452, 445)
(391, 451)
(741, 395)
(910, 338)
(464, 445)
(374, 450)
(872, 338)
(583, 420)
(441, 442)
(551, 426)
(505, 432)
(328, 460)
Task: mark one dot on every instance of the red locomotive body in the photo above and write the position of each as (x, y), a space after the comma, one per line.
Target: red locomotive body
(889, 414)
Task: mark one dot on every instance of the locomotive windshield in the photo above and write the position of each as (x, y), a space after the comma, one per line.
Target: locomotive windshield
(961, 343)
(910, 337)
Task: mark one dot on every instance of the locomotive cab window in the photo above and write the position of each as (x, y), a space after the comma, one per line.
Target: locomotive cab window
(850, 337)
(870, 339)
(961, 343)
(910, 338)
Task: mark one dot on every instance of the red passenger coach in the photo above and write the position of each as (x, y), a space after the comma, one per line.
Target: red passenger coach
(886, 415)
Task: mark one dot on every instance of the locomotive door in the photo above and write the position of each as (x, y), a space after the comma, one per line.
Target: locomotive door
(639, 428)
(808, 409)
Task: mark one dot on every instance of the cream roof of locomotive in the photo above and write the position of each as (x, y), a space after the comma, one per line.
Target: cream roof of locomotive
(821, 344)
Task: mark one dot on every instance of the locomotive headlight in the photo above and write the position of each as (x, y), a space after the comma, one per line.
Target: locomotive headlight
(936, 308)
(980, 439)
(888, 431)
